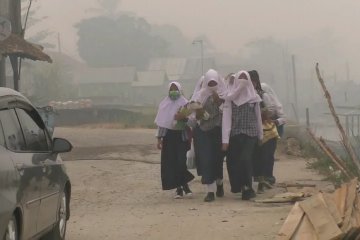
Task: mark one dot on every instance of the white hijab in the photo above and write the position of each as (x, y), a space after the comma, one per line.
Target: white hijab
(168, 108)
(242, 91)
(197, 89)
(207, 91)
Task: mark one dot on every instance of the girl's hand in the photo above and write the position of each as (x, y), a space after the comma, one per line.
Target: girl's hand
(225, 147)
(160, 144)
(179, 116)
(200, 113)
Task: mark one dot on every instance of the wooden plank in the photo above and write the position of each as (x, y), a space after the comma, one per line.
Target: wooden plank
(321, 219)
(349, 205)
(340, 199)
(331, 206)
(305, 231)
(283, 198)
(307, 191)
(291, 223)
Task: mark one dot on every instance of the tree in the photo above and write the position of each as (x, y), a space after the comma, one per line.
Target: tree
(39, 37)
(124, 40)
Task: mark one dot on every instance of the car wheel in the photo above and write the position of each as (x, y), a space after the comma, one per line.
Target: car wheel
(59, 230)
(12, 230)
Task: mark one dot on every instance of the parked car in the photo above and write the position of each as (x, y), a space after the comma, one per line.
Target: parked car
(34, 187)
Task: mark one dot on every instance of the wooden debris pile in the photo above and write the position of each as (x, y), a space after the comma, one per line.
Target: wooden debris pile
(325, 216)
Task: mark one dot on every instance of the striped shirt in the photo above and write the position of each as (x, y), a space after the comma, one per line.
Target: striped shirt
(244, 120)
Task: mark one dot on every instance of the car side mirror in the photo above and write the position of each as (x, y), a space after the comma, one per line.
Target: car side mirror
(61, 145)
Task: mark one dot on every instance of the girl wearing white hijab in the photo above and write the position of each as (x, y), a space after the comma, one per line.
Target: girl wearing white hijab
(274, 105)
(207, 137)
(173, 143)
(242, 128)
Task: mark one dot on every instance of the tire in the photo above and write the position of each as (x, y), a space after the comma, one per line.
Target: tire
(59, 230)
(12, 232)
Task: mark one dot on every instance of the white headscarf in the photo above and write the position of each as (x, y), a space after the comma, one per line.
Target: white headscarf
(168, 108)
(242, 91)
(273, 97)
(207, 91)
(197, 89)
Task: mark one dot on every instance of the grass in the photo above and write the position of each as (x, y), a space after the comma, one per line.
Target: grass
(322, 163)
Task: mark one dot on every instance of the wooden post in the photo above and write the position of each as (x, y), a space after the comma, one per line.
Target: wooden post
(352, 126)
(59, 43)
(15, 18)
(358, 125)
(295, 84)
(4, 12)
(307, 117)
(347, 125)
(2, 72)
(347, 144)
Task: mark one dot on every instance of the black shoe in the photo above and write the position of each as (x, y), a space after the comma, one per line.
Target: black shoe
(260, 188)
(179, 193)
(220, 190)
(271, 180)
(187, 190)
(210, 197)
(248, 194)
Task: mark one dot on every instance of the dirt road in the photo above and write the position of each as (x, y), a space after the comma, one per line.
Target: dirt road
(117, 194)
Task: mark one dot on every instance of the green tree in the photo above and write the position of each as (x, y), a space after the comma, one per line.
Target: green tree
(124, 40)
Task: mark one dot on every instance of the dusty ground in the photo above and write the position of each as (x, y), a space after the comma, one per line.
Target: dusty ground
(117, 194)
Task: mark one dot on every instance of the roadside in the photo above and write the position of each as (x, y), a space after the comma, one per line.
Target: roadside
(117, 193)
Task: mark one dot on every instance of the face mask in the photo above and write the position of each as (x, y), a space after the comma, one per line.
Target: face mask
(174, 95)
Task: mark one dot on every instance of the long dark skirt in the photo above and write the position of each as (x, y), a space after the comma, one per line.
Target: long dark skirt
(239, 161)
(208, 155)
(264, 159)
(174, 172)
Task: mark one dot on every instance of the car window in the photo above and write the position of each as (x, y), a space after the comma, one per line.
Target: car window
(35, 137)
(13, 135)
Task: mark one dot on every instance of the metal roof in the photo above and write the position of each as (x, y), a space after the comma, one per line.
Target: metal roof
(193, 67)
(107, 75)
(174, 67)
(150, 79)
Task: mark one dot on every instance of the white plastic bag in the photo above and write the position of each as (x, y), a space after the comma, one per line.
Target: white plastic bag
(190, 158)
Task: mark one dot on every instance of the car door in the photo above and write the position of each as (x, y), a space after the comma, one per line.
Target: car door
(38, 142)
(8, 185)
(29, 172)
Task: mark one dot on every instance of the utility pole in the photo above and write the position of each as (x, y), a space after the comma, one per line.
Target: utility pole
(201, 42)
(347, 72)
(295, 84)
(15, 18)
(59, 43)
(4, 12)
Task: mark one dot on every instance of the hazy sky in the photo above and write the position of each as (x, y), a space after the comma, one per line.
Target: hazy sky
(228, 23)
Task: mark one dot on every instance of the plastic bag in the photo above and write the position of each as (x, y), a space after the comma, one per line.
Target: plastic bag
(190, 158)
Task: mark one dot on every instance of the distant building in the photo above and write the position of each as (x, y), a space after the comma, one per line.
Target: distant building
(149, 88)
(187, 71)
(106, 85)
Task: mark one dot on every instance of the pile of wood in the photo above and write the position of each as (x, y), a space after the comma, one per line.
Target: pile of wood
(325, 216)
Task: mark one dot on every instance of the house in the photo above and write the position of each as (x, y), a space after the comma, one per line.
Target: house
(187, 71)
(173, 67)
(106, 85)
(149, 88)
